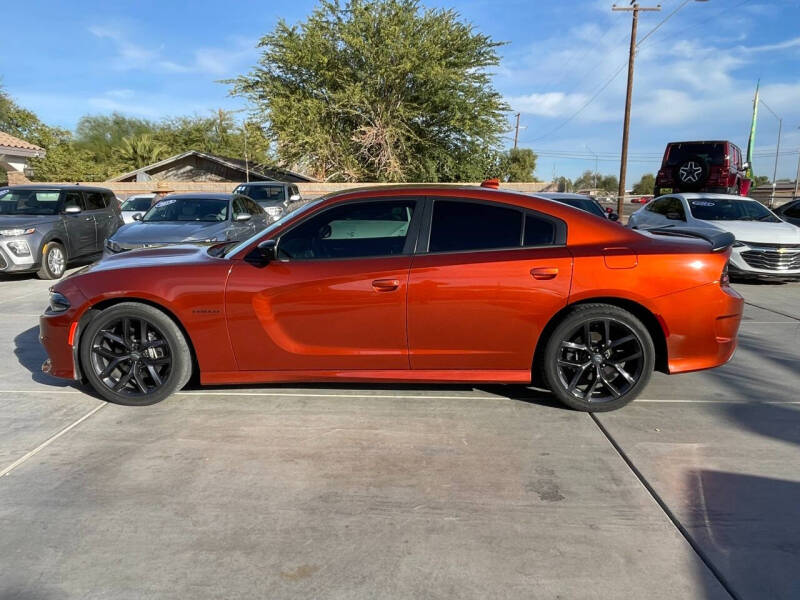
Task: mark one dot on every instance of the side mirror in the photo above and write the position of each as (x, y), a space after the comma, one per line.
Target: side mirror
(745, 166)
(263, 254)
(613, 216)
(294, 198)
(137, 217)
(242, 217)
(72, 210)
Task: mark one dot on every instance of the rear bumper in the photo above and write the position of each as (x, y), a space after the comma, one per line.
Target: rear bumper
(700, 326)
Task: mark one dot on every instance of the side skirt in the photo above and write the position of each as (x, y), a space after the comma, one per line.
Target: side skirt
(389, 376)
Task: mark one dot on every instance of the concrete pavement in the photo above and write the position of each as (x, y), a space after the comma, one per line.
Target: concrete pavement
(403, 492)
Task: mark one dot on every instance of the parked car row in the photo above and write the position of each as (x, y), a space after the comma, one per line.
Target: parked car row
(44, 229)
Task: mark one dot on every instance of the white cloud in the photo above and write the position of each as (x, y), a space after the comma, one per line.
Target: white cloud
(208, 60)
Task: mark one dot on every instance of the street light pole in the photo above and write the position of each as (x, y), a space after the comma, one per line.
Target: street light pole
(797, 176)
(595, 165)
(634, 8)
(777, 152)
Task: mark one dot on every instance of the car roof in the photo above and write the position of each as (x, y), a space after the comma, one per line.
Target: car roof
(263, 183)
(709, 196)
(59, 186)
(201, 196)
(701, 142)
(562, 196)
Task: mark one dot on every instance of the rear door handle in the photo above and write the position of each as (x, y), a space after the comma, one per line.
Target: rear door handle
(386, 285)
(544, 272)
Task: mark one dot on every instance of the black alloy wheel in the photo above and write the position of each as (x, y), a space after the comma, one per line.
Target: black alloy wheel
(134, 354)
(599, 358)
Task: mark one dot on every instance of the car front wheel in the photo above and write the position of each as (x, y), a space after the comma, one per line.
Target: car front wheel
(134, 354)
(54, 261)
(599, 358)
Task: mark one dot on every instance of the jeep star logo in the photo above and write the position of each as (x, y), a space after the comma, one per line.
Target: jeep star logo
(690, 172)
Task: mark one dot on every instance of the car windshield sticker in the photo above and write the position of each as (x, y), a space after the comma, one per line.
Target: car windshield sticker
(166, 202)
(703, 203)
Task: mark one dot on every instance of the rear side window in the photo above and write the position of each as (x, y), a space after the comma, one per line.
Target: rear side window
(793, 212)
(539, 231)
(95, 201)
(459, 226)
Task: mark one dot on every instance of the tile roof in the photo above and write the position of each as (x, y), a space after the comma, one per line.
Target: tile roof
(9, 141)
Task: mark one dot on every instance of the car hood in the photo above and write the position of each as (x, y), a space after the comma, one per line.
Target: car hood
(135, 234)
(25, 221)
(172, 256)
(755, 231)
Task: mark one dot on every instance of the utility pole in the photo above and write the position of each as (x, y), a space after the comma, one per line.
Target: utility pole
(634, 8)
(797, 176)
(516, 132)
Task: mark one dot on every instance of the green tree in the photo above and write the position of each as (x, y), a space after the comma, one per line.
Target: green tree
(140, 151)
(761, 180)
(519, 164)
(563, 184)
(379, 90)
(588, 180)
(646, 184)
(102, 135)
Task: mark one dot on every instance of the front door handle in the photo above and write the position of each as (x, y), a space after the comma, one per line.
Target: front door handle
(87, 218)
(544, 272)
(386, 285)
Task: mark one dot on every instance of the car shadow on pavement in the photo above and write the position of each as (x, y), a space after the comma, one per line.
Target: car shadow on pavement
(30, 354)
(514, 392)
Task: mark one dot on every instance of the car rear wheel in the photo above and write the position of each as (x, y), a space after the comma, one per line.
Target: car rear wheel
(54, 261)
(599, 358)
(134, 354)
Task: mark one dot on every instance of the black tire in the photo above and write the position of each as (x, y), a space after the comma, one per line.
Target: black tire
(692, 173)
(612, 371)
(145, 370)
(54, 261)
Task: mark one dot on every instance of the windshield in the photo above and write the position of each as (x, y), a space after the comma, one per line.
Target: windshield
(587, 205)
(713, 153)
(711, 209)
(29, 202)
(265, 233)
(188, 209)
(136, 204)
(262, 193)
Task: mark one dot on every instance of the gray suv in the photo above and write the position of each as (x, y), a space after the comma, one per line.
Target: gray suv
(43, 228)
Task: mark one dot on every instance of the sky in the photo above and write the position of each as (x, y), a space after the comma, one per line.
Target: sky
(562, 68)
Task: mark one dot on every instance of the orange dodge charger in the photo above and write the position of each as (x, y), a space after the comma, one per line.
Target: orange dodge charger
(404, 284)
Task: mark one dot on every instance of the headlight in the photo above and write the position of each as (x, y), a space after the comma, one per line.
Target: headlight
(113, 246)
(19, 248)
(211, 239)
(274, 211)
(58, 302)
(16, 232)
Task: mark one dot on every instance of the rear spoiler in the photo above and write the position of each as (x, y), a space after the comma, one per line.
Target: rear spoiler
(719, 240)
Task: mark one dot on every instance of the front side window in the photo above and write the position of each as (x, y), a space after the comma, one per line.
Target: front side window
(360, 229)
(74, 200)
(461, 226)
(188, 209)
(793, 212)
(28, 202)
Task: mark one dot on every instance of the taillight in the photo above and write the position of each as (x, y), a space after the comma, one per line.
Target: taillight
(725, 278)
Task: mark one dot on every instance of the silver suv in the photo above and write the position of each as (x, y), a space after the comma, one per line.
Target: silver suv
(44, 228)
(275, 197)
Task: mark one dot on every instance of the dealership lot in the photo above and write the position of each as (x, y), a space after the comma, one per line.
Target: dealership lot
(693, 491)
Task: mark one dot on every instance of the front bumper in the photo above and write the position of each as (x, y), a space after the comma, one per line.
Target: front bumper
(11, 261)
(59, 333)
(766, 261)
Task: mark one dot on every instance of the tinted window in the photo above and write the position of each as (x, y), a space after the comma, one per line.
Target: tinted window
(263, 193)
(137, 204)
(713, 153)
(252, 207)
(458, 226)
(710, 209)
(239, 206)
(793, 211)
(94, 201)
(538, 231)
(360, 229)
(28, 202)
(74, 199)
(188, 209)
(586, 205)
